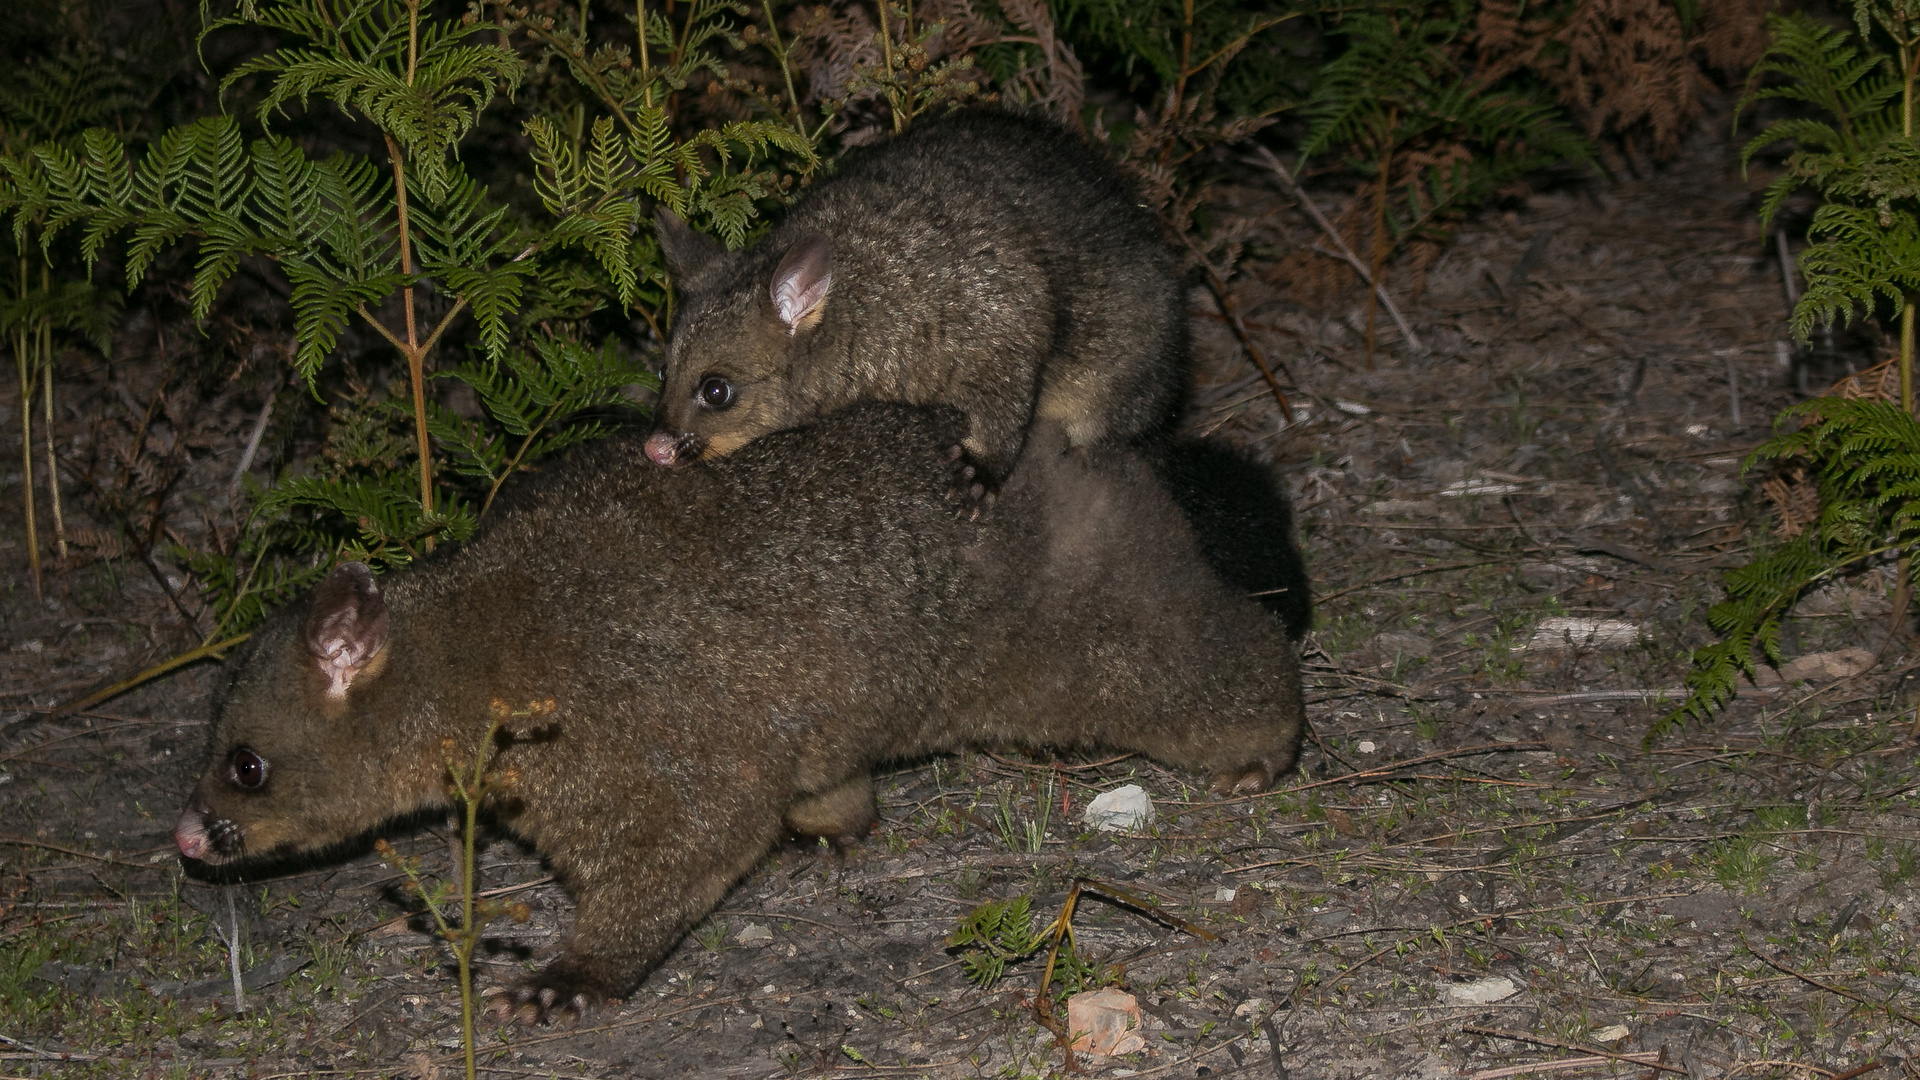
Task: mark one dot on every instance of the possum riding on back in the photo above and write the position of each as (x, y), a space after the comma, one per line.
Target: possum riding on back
(985, 261)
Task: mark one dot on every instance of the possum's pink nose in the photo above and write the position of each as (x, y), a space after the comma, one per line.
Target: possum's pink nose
(663, 448)
(191, 835)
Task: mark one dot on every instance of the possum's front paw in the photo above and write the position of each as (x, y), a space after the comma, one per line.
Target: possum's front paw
(969, 485)
(563, 991)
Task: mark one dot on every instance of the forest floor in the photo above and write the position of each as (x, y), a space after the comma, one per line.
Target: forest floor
(1478, 871)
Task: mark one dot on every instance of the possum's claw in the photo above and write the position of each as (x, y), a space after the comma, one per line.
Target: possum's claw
(969, 485)
(556, 993)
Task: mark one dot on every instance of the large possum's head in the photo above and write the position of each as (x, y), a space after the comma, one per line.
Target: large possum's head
(728, 377)
(297, 762)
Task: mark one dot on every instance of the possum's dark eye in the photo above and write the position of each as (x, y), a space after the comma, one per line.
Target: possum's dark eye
(716, 393)
(247, 769)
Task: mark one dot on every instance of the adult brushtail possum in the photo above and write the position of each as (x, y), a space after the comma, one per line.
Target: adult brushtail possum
(729, 649)
(985, 261)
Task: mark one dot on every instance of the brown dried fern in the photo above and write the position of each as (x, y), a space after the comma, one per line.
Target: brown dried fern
(1626, 71)
(1795, 501)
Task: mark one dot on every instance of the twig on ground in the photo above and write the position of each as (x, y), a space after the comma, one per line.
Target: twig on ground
(1402, 576)
(50, 1055)
(1386, 771)
(21, 841)
(1629, 485)
(1645, 1057)
(209, 651)
(1828, 987)
(1345, 252)
(253, 447)
(1539, 1040)
(1217, 285)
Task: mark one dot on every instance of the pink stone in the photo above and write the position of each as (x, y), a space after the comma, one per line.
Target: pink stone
(1105, 1022)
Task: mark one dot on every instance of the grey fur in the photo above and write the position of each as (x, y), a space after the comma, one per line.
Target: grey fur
(733, 646)
(985, 261)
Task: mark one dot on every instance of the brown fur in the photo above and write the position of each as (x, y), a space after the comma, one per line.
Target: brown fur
(993, 263)
(731, 648)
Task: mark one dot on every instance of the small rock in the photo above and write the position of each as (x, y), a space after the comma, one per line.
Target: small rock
(1105, 1022)
(1366, 746)
(1251, 1007)
(1120, 810)
(1573, 633)
(1225, 894)
(1481, 991)
(754, 934)
(1818, 667)
(1612, 1033)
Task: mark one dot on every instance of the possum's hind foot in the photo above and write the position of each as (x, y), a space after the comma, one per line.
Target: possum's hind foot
(1249, 779)
(563, 992)
(842, 815)
(970, 487)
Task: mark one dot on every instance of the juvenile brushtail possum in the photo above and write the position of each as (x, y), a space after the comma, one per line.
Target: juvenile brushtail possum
(725, 651)
(993, 263)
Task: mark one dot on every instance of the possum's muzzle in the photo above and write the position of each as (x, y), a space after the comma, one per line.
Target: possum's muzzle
(208, 841)
(666, 448)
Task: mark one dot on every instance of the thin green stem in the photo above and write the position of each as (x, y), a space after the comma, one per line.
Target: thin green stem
(786, 69)
(210, 651)
(468, 932)
(1906, 357)
(514, 463)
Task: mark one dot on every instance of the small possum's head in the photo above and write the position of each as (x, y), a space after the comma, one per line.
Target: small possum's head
(297, 762)
(728, 377)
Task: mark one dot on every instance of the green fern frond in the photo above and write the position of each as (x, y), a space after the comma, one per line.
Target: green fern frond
(1865, 459)
(419, 81)
(1822, 66)
(1858, 257)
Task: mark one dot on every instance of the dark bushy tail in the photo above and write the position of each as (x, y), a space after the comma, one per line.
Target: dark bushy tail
(1244, 523)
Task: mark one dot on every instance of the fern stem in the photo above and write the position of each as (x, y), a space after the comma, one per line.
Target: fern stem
(1909, 68)
(646, 66)
(886, 57)
(1186, 57)
(26, 446)
(1906, 355)
(413, 38)
(46, 374)
(416, 356)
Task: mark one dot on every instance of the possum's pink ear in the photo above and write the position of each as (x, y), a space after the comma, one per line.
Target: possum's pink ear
(347, 629)
(801, 282)
(686, 251)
